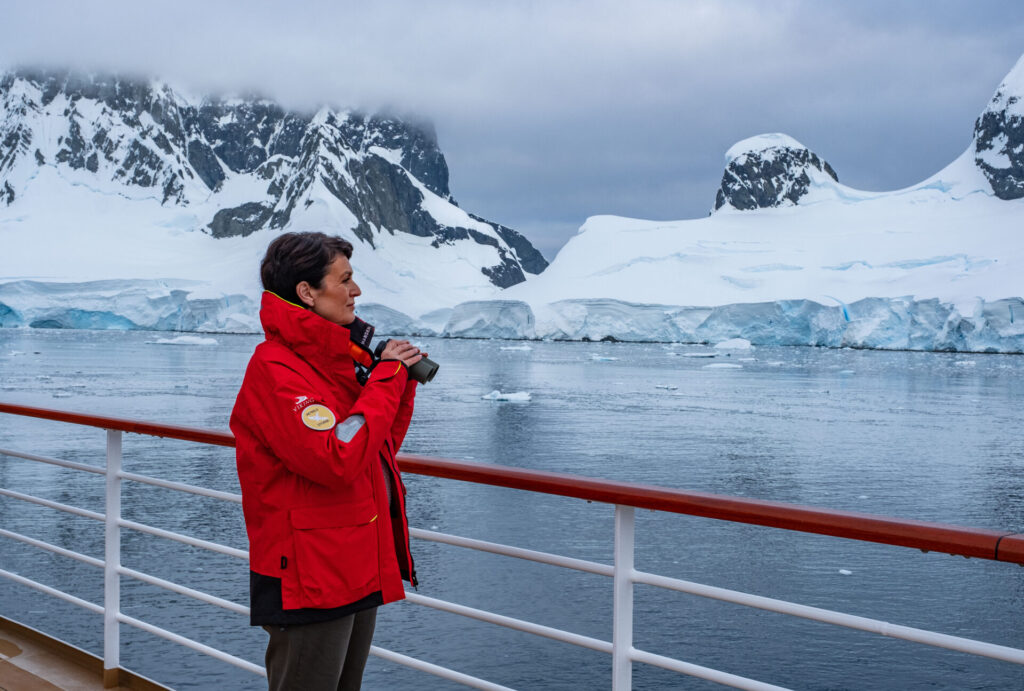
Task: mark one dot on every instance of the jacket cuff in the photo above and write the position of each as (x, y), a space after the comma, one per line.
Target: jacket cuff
(388, 369)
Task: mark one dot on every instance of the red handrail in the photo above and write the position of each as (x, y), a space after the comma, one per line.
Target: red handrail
(999, 545)
(203, 436)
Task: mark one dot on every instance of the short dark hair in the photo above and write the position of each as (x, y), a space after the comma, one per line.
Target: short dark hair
(296, 257)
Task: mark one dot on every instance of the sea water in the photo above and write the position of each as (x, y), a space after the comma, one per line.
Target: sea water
(929, 436)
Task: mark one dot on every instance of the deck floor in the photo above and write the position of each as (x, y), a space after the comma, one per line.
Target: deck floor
(29, 664)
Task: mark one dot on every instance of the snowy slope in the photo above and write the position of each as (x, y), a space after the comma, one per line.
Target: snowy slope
(947, 238)
(792, 256)
(915, 268)
(109, 179)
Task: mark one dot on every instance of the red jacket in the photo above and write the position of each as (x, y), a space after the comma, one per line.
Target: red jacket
(316, 508)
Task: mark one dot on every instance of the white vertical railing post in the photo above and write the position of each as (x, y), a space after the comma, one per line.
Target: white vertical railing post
(622, 607)
(112, 562)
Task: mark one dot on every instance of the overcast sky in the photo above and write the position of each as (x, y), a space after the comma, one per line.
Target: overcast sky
(555, 110)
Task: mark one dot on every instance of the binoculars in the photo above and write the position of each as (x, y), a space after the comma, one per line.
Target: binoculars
(361, 334)
(423, 371)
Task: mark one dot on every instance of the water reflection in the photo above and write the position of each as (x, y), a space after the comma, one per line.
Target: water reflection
(933, 436)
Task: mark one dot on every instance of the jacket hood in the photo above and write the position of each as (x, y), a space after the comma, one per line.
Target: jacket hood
(302, 330)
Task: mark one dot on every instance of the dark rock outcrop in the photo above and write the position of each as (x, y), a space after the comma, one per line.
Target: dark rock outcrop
(999, 138)
(769, 171)
(241, 220)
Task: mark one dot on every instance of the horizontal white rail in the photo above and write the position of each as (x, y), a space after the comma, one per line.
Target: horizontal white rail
(182, 487)
(91, 561)
(178, 537)
(511, 623)
(517, 552)
(84, 467)
(436, 670)
(624, 575)
(692, 670)
(52, 504)
(194, 645)
(183, 590)
(907, 633)
(51, 591)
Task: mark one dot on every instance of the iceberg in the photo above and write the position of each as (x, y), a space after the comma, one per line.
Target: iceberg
(517, 397)
(734, 344)
(185, 340)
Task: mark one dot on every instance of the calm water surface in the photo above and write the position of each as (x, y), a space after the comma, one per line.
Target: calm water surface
(918, 435)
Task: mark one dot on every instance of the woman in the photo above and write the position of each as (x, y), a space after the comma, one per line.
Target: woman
(323, 499)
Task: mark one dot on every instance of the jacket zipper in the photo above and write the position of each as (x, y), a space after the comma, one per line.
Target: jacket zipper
(399, 487)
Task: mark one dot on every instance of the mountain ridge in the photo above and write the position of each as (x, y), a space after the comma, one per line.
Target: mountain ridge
(244, 165)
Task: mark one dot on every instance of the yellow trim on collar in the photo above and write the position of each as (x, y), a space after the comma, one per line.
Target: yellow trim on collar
(285, 301)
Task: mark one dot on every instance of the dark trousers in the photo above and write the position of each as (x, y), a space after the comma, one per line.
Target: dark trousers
(327, 656)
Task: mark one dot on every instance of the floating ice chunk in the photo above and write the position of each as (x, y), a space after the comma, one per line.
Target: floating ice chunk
(746, 359)
(846, 371)
(518, 396)
(965, 363)
(62, 394)
(667, 387)
(602, 358)
(734, 344)
(722, 365)
(845, 572)
(185, 340)
(518, 347)
(700, 354)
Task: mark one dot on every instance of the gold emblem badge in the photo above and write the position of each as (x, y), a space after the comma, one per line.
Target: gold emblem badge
(318, 417)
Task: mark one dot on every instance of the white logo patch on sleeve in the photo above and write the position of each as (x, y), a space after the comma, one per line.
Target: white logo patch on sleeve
(347, 430)
(318, 417)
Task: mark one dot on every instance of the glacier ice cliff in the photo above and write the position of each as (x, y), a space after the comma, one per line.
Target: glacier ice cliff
(124, 304)
(881, 323)
(902, 323)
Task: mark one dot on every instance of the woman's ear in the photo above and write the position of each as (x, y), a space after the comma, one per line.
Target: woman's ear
(305, 293)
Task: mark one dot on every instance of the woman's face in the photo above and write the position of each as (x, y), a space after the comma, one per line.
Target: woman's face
(335, 299)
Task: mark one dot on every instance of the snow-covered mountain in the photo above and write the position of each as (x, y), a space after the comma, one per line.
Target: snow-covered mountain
(792, 256)
(789, 255)
(133, 180)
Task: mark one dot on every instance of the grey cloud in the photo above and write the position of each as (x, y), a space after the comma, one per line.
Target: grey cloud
(552, 111)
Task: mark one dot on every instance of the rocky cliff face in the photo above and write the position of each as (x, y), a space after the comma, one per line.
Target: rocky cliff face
(999, 137)
(769, 170)
(248, 163)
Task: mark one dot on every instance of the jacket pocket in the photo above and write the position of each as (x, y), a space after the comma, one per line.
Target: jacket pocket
(335, 552)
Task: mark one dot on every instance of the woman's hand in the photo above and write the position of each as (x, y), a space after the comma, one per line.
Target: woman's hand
(402, 350)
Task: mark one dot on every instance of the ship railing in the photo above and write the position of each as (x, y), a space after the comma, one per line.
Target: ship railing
(1003, 546)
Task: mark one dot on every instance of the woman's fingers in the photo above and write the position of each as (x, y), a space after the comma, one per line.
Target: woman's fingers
(402, 350)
